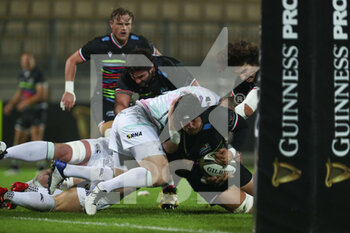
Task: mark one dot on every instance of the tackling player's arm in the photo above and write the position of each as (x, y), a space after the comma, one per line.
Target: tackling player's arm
(171, 146)
(68, 98)
(122, 101)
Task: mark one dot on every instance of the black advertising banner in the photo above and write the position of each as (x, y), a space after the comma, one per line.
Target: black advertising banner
(332, 117)
(285, 105)
(303, 155)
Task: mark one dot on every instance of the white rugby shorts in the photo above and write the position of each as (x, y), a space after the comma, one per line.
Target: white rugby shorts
(134, 135)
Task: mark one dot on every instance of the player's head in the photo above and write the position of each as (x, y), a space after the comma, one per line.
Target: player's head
(243, 56)
(27, 61)
(121, 21)
(140, 66)
(187, 114)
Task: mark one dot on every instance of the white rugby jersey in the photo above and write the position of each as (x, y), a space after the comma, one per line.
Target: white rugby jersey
(157, 108)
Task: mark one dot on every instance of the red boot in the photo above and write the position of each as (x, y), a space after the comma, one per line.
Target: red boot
(19, 187)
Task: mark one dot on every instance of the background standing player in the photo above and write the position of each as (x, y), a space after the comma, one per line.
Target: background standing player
(30, 100)
(119, 41)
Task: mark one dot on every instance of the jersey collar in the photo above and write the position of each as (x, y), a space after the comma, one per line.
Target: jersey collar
(115, 42)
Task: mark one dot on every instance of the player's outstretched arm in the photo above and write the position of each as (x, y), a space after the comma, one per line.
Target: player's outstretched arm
(68, 97)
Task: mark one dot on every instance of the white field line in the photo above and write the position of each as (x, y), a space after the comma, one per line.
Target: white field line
(126, 225)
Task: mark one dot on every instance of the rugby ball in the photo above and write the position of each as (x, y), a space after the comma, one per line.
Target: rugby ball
(210, 168)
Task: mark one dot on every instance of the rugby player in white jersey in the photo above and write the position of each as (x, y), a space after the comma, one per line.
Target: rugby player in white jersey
(135, 135)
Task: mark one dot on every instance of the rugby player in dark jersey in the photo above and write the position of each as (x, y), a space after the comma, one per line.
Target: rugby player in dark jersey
(30, 100)
(243, 56)
(119, 41)
(149, 81)
(203, 134)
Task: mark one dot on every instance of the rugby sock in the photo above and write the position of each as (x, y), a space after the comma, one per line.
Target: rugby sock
(42, 190)
(32, 200)
(134, 178)
(169, 187)
(88, 173)
(30, 151)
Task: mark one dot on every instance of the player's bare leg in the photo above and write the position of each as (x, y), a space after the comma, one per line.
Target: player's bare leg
(68, 201)
(235, 200)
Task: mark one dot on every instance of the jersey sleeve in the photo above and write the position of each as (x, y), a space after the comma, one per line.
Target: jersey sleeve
(88, 49)
(149, 45)
(39, 77)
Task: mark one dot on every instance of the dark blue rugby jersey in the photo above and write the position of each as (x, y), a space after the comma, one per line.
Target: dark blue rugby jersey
(108, 45)
(112, 69)
(194, 147)
(161, 82)
(27, 83)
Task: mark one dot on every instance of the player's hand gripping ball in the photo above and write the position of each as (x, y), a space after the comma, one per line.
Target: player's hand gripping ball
(210, 168)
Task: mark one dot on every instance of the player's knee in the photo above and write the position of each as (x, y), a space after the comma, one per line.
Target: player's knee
(78, 152)
(60, 151)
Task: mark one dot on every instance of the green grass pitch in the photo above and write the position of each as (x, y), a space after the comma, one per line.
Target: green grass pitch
(145, 216)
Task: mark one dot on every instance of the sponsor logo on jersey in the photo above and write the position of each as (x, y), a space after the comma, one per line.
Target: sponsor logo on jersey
(133, 135)
(205, 149)
(133, 37)
(110, 113)
(106, 38)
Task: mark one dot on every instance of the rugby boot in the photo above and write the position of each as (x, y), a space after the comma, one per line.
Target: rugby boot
(56, 177)
(2, 192)
(169, 199)
(19, 187)
(91, 200)
(3, 148)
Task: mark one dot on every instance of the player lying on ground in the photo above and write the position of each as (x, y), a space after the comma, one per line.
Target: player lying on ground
(204, 134)
(36, 198)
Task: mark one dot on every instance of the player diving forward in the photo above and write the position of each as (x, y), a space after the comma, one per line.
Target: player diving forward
(203, 134)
